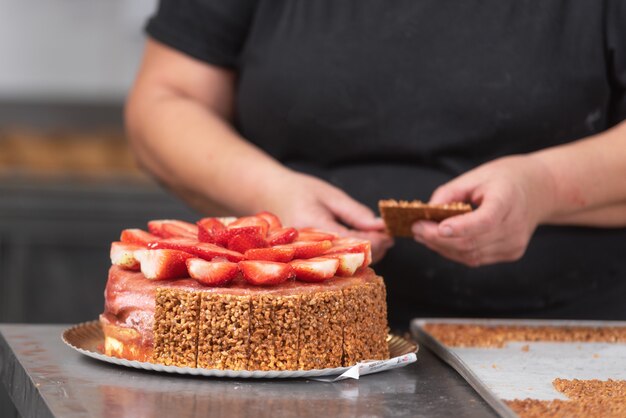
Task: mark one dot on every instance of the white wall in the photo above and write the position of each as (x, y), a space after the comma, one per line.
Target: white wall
(70, 49)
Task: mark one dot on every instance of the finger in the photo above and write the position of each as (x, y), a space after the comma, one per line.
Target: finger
(353, 213)
(376, 238)
(486, 249)
(488, 216)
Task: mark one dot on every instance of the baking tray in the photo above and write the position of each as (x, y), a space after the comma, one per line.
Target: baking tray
(526, 369)
(88, 339)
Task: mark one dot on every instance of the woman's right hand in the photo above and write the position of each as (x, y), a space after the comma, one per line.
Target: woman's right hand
(301, 201)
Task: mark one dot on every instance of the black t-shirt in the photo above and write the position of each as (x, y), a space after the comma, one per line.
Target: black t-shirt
(389, 99)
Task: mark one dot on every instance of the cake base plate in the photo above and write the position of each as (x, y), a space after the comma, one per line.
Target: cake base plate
(88, 339)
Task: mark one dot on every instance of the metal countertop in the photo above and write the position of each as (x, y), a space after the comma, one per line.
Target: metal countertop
(45, 378)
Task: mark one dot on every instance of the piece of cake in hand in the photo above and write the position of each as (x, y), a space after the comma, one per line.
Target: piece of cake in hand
(243, 294)
(400, 215)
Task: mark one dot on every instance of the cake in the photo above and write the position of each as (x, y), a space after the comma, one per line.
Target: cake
(243, 294)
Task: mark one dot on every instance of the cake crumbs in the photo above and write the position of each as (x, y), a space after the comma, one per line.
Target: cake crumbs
(497, 336)
(587, 398)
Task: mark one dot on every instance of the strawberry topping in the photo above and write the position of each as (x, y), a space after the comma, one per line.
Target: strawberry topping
(282, 236)
(312, 234)
(265, 273)
(247, 221)
(245, 241)
(309, 249)
(212, 273)
(349, 263)
(203, 250)
(162, 264)
(215, 251)
(353, 245)
(315, 269)
(281, 254)
(208, 228)
(168, 228)
(123, 255)
(137, 236)
(272, 220)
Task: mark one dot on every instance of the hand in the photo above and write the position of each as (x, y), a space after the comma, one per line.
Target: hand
(305, 201)
(512, 194)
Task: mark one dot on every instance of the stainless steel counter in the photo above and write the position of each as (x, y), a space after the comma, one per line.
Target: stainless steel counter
(45, 378)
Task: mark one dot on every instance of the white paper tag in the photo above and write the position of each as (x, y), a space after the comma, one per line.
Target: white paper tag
(368, 367)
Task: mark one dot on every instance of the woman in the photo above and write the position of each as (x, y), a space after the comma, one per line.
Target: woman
(315, 110)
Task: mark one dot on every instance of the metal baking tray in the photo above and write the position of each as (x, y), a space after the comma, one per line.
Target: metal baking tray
(526, 369)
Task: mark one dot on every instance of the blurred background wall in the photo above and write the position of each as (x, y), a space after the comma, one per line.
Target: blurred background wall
(68, 182)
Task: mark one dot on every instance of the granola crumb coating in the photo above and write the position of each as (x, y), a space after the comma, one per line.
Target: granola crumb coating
(472, 335)
(321, 326)
(176, 327)
(365, 326)
(223, 341)
(587, 398)
(262, 334)
(286, 328)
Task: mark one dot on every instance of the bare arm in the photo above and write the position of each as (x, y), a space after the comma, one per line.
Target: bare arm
(589, 180)
(178, 118)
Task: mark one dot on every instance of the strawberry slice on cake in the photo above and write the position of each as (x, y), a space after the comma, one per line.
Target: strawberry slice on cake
(265, 273)
(123, 255)
(137, 236)
(212, 273)
(316, 269)
(203, 250)
(169, 228)
(163, 264)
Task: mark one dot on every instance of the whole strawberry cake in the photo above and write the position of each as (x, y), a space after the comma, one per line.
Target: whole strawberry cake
(243, 294)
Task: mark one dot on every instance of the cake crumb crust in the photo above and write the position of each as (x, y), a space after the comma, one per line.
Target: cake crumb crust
(176, 327)
(496, 336)
(587, 399)
(224, 331)
(318, 328)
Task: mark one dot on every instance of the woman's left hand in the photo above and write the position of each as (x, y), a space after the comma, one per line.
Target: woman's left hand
(512, 195)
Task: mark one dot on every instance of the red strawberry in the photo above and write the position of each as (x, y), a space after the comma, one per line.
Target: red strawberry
(137, 236)
(208, 229)
(123, 255)
(348, 262)
(244, 242)
(246, 221)
(168, 228)
(353, 245)
(309, 249)
(315, 269)
(272, 220)
(212, 273)
(265, 273)
(312, 234)
(282, 254)
(282, 236)
(203, 250)
(162, 264)
(224, 236)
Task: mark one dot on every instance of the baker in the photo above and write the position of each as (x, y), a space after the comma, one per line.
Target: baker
(315, 110)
